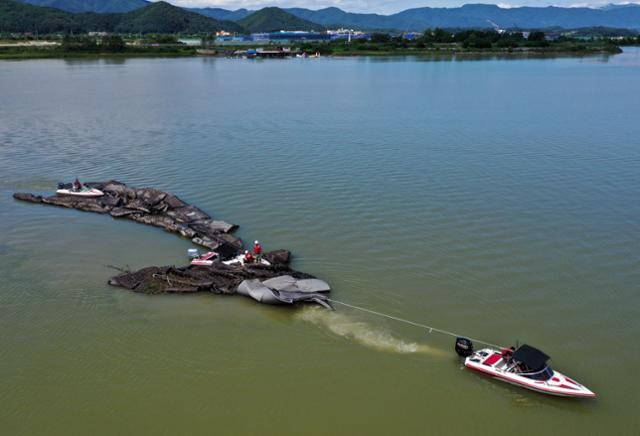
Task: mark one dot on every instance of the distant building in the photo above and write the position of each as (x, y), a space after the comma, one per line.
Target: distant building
(411, 35)
(234, 40)
(552, 36)
(192, 42)
(289, 36)
(348, 34)
(283, 36)
(276, 52)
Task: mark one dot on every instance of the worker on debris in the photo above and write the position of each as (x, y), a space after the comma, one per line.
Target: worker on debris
(248, 257)
(257, 249)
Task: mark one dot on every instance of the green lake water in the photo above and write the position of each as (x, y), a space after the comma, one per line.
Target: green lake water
(495, 198)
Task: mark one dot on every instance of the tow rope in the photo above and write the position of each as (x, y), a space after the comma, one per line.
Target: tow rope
(413, 323)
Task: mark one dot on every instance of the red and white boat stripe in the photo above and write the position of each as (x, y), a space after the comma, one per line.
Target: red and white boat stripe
(560, 384)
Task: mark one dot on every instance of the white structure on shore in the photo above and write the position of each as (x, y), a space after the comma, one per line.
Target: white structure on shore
(347, 34)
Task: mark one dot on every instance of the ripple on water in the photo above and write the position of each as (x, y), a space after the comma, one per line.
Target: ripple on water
(445, 193)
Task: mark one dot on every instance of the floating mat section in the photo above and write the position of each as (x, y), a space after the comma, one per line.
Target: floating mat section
(261, 292)
(291, 284)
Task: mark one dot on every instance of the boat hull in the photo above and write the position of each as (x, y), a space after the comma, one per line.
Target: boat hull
(88, 193)
(489, 362)
(239, 260)
(206, 259)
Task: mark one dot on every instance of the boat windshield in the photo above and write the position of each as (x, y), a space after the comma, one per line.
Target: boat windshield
(544, 374)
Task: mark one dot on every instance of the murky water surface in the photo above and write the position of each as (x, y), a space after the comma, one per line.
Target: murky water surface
(497, 198)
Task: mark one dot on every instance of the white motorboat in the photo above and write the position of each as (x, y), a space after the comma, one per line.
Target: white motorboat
(239, 260)
(82, 192)
(525, 366)
(206, 259)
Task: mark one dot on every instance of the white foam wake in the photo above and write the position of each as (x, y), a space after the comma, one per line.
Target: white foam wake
(363, 333)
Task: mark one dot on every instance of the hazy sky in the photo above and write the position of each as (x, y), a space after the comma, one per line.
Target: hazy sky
(380, 6)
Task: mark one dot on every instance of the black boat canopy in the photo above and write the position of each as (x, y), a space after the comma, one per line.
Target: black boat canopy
(530, 356)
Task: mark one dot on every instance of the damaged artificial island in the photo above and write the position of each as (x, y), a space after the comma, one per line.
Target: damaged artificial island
(267, 277)
(224, 270)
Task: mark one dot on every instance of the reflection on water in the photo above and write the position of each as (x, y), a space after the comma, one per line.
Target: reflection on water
(630, 58)
(497, 199)
(114, 60)
(463, 57)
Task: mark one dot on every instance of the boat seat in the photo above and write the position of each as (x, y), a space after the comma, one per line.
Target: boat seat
(500, 364)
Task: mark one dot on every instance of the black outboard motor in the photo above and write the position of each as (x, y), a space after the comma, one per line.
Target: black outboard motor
(464, 347)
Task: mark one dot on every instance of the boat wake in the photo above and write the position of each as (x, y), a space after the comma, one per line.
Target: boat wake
(363, 333)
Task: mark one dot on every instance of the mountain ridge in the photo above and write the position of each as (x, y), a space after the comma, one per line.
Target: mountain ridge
(478, 16)
(626, 16)
(98, 6)
(158, 17)
(223, 14)
(274, 19)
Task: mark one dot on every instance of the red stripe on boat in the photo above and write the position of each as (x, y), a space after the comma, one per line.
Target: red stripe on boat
(492, 359)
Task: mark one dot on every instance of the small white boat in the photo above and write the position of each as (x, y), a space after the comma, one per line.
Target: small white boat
(82, 192)
(525, 367)
(206, 259)
(239, 260)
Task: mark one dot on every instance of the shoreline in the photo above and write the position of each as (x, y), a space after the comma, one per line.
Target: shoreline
(482, 54)
(434, 54)
(53, 54)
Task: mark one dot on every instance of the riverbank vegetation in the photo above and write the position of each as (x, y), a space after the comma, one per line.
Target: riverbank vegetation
(28, 31)
(431, 42)
(435, 41)
(95, 46)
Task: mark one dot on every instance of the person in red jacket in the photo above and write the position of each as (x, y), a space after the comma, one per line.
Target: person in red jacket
(257, 249)
(248, 257)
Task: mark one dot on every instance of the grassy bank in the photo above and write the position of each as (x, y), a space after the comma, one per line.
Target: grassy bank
(26, 52)
(56, 52)
(459, 51)
(472, 42)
